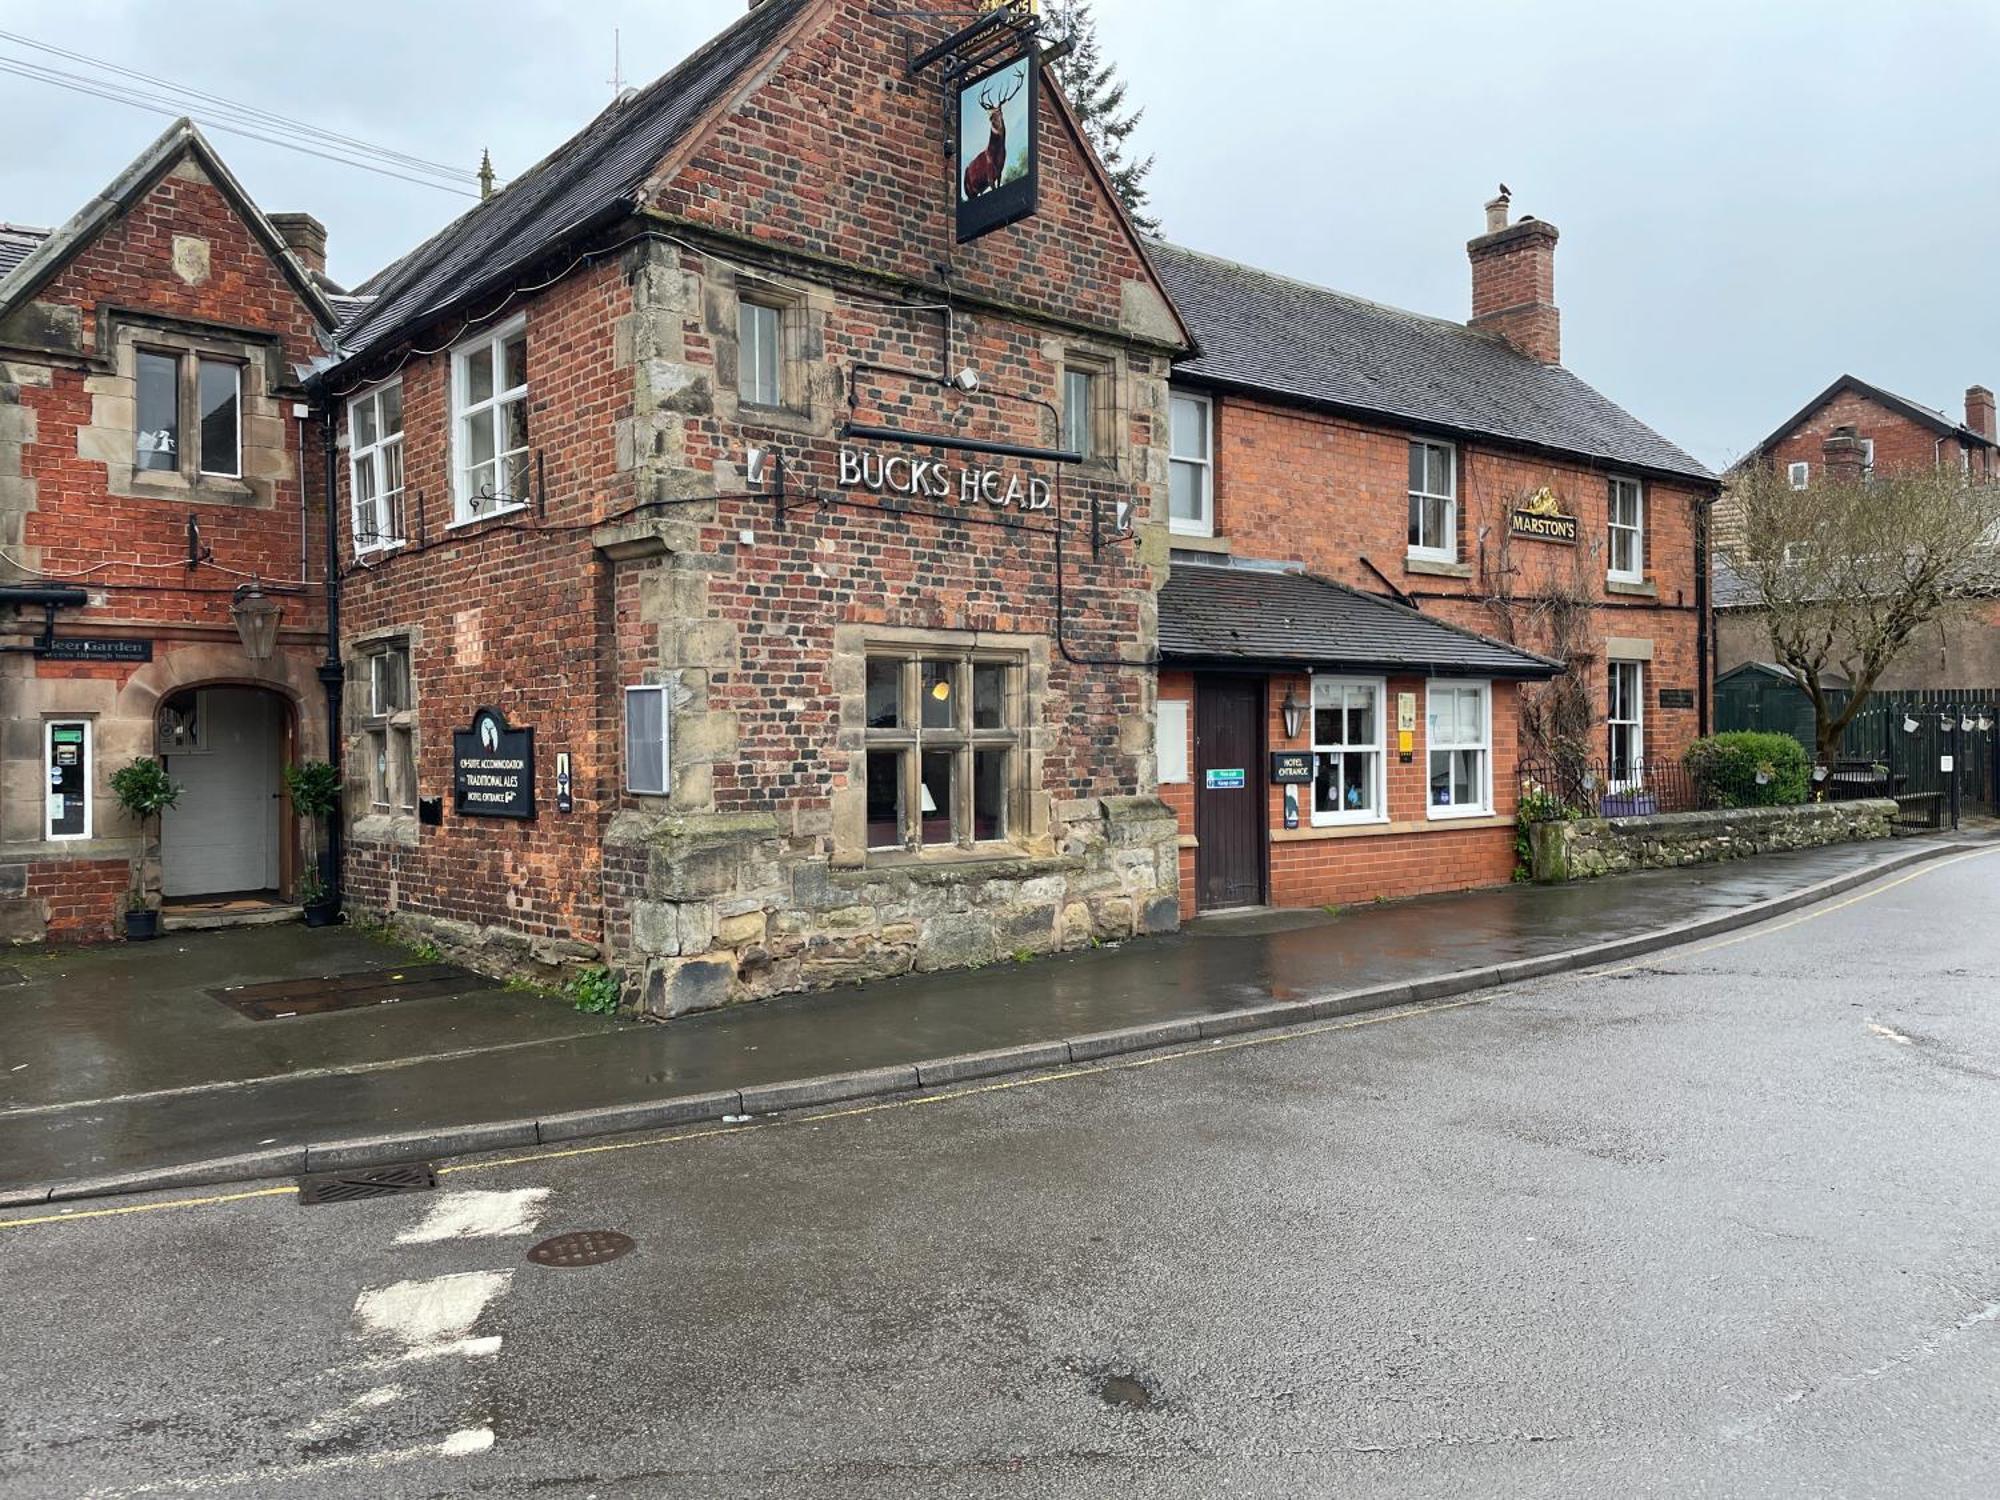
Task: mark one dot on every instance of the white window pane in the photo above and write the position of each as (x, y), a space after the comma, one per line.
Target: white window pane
(1184, 497)
(1078, 434)
(392, 468)
(365, 434)
(478, 377)
(1440, 471)
(514, 426)
(479, 438)
(1190, 427)
(514, 363)
(1418, 469)
(1172, 745)
(392, 410)
(219, 390)
(159, 441)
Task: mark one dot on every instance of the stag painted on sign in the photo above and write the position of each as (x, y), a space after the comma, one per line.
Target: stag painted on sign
(998, 175)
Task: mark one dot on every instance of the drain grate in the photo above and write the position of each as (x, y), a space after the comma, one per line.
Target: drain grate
(581, 1247)
(285, 998)
(366, 1182)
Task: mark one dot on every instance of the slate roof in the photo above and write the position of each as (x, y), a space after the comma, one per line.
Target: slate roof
(1927, 417)
(591, 176)
(1268, 333)
(1259, 617)
(17, 243)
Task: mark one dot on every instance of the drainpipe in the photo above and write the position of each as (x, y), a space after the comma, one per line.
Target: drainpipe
(331, 673)
(1704, 509)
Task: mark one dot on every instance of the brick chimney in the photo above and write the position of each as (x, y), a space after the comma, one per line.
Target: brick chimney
(1845, 458)
(1979, 412)
(1514, 283)
(305, 237)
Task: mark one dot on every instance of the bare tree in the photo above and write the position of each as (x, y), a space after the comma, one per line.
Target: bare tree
(1848, 570)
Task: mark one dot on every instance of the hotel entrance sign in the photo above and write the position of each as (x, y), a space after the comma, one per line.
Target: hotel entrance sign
(493, 768)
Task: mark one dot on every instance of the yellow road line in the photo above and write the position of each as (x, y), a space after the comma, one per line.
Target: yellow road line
(1004, 1085)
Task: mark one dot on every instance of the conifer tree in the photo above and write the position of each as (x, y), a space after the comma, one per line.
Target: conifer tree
(1097, 94)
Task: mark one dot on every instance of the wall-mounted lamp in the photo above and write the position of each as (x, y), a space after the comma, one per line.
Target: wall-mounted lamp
(1294, 712)
(256, 617)
(754, 460)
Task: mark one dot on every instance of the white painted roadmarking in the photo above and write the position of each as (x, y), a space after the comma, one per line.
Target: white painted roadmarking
(426, 1318)
(340, 1416)
(1895, 1036)
(461, 1444)
(477, 1214)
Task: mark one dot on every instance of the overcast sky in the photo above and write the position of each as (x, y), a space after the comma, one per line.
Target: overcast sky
(1752, 198)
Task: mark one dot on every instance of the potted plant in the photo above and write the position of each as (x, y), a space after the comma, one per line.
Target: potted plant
(144, 791)
(315, 789)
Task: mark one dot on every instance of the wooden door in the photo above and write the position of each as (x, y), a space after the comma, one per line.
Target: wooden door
(1228, 792)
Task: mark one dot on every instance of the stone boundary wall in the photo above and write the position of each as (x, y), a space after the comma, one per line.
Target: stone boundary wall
(1584, 847)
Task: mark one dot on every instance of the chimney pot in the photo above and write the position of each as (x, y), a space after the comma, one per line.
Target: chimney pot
(305, 237)
(1496, 213)
(1979, 413)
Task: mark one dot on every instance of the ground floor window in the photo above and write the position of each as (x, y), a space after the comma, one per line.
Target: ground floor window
(1627, 720)
(389, 730)
(646, 740)
(1458, 739)
(1347, 750)
(67, 773)
(944, 756)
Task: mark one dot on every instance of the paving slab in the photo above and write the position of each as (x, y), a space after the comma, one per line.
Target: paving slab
(132, 1068)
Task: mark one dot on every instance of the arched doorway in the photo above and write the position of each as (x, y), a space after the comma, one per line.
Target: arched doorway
(228, 836)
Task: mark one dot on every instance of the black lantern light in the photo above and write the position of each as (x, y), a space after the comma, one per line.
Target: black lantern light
(256, 617)
(1294, 712)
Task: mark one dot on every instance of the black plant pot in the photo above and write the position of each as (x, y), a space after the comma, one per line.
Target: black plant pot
(142, 926)
(322, 913)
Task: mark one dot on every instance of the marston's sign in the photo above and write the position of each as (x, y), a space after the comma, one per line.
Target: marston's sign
(1540, 518)
(930, 479)
(493, 768)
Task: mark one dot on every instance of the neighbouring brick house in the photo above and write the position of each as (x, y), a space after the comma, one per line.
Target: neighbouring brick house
(1862, 426)
(707, 453)
(150, 467)
(1416, 534)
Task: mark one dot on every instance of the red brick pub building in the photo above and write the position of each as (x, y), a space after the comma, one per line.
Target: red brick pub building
(153, 468)
(1394, 541)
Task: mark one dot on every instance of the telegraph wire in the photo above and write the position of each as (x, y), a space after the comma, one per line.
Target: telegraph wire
(249, 113)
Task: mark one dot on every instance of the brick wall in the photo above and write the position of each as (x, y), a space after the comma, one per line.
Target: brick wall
(1326, 492)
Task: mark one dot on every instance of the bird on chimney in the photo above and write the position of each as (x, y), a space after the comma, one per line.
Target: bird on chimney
(1505, 191)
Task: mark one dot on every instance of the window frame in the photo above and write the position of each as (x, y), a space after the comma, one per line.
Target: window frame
(1483, 808)
(666, 786)
(1379, 790)
(1636, 573)
(745, 304)
(1867, 458)
(173, 358)
(911, 741)
(1636, 724)
(1798, 473)
(202, 470)
(375, 456)
(389, 733)
(1204, 523)
(1449, 552)
(1089, 442)
(49, 727)
(495, 341)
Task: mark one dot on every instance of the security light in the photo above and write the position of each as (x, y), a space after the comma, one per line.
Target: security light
(967, 379)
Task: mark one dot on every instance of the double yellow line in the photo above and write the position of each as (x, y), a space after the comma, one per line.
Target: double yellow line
(1001, 1086)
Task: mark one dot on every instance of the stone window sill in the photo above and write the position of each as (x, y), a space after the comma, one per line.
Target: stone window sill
(211, 489)
(1432, 567)
(1645, 590)
(1197, 541)
(381, 827)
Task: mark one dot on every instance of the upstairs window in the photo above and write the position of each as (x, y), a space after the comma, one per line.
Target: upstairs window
(1191, 466)
(375, 467)
(1627, 508)
(1434, 502)
(1868, 458)
(170, 385)
(759, 352)
(1079, 411)
(489, 388)
(1799, 475)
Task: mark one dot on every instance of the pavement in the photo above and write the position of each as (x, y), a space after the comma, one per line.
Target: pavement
(121, 1070)
(1718, 1222)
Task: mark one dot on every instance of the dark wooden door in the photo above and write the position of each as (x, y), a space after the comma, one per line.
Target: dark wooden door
(1228, 792)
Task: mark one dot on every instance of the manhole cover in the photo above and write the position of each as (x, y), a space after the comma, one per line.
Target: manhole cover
(366, 1182)
(582, 1247)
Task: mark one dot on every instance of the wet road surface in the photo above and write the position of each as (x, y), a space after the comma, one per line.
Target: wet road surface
(1722, 1223)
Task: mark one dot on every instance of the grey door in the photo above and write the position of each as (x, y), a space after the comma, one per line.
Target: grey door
(222, 836)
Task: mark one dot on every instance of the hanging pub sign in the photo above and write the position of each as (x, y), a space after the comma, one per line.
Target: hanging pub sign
(1540, 518)
(493, 768)
(999, 159)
